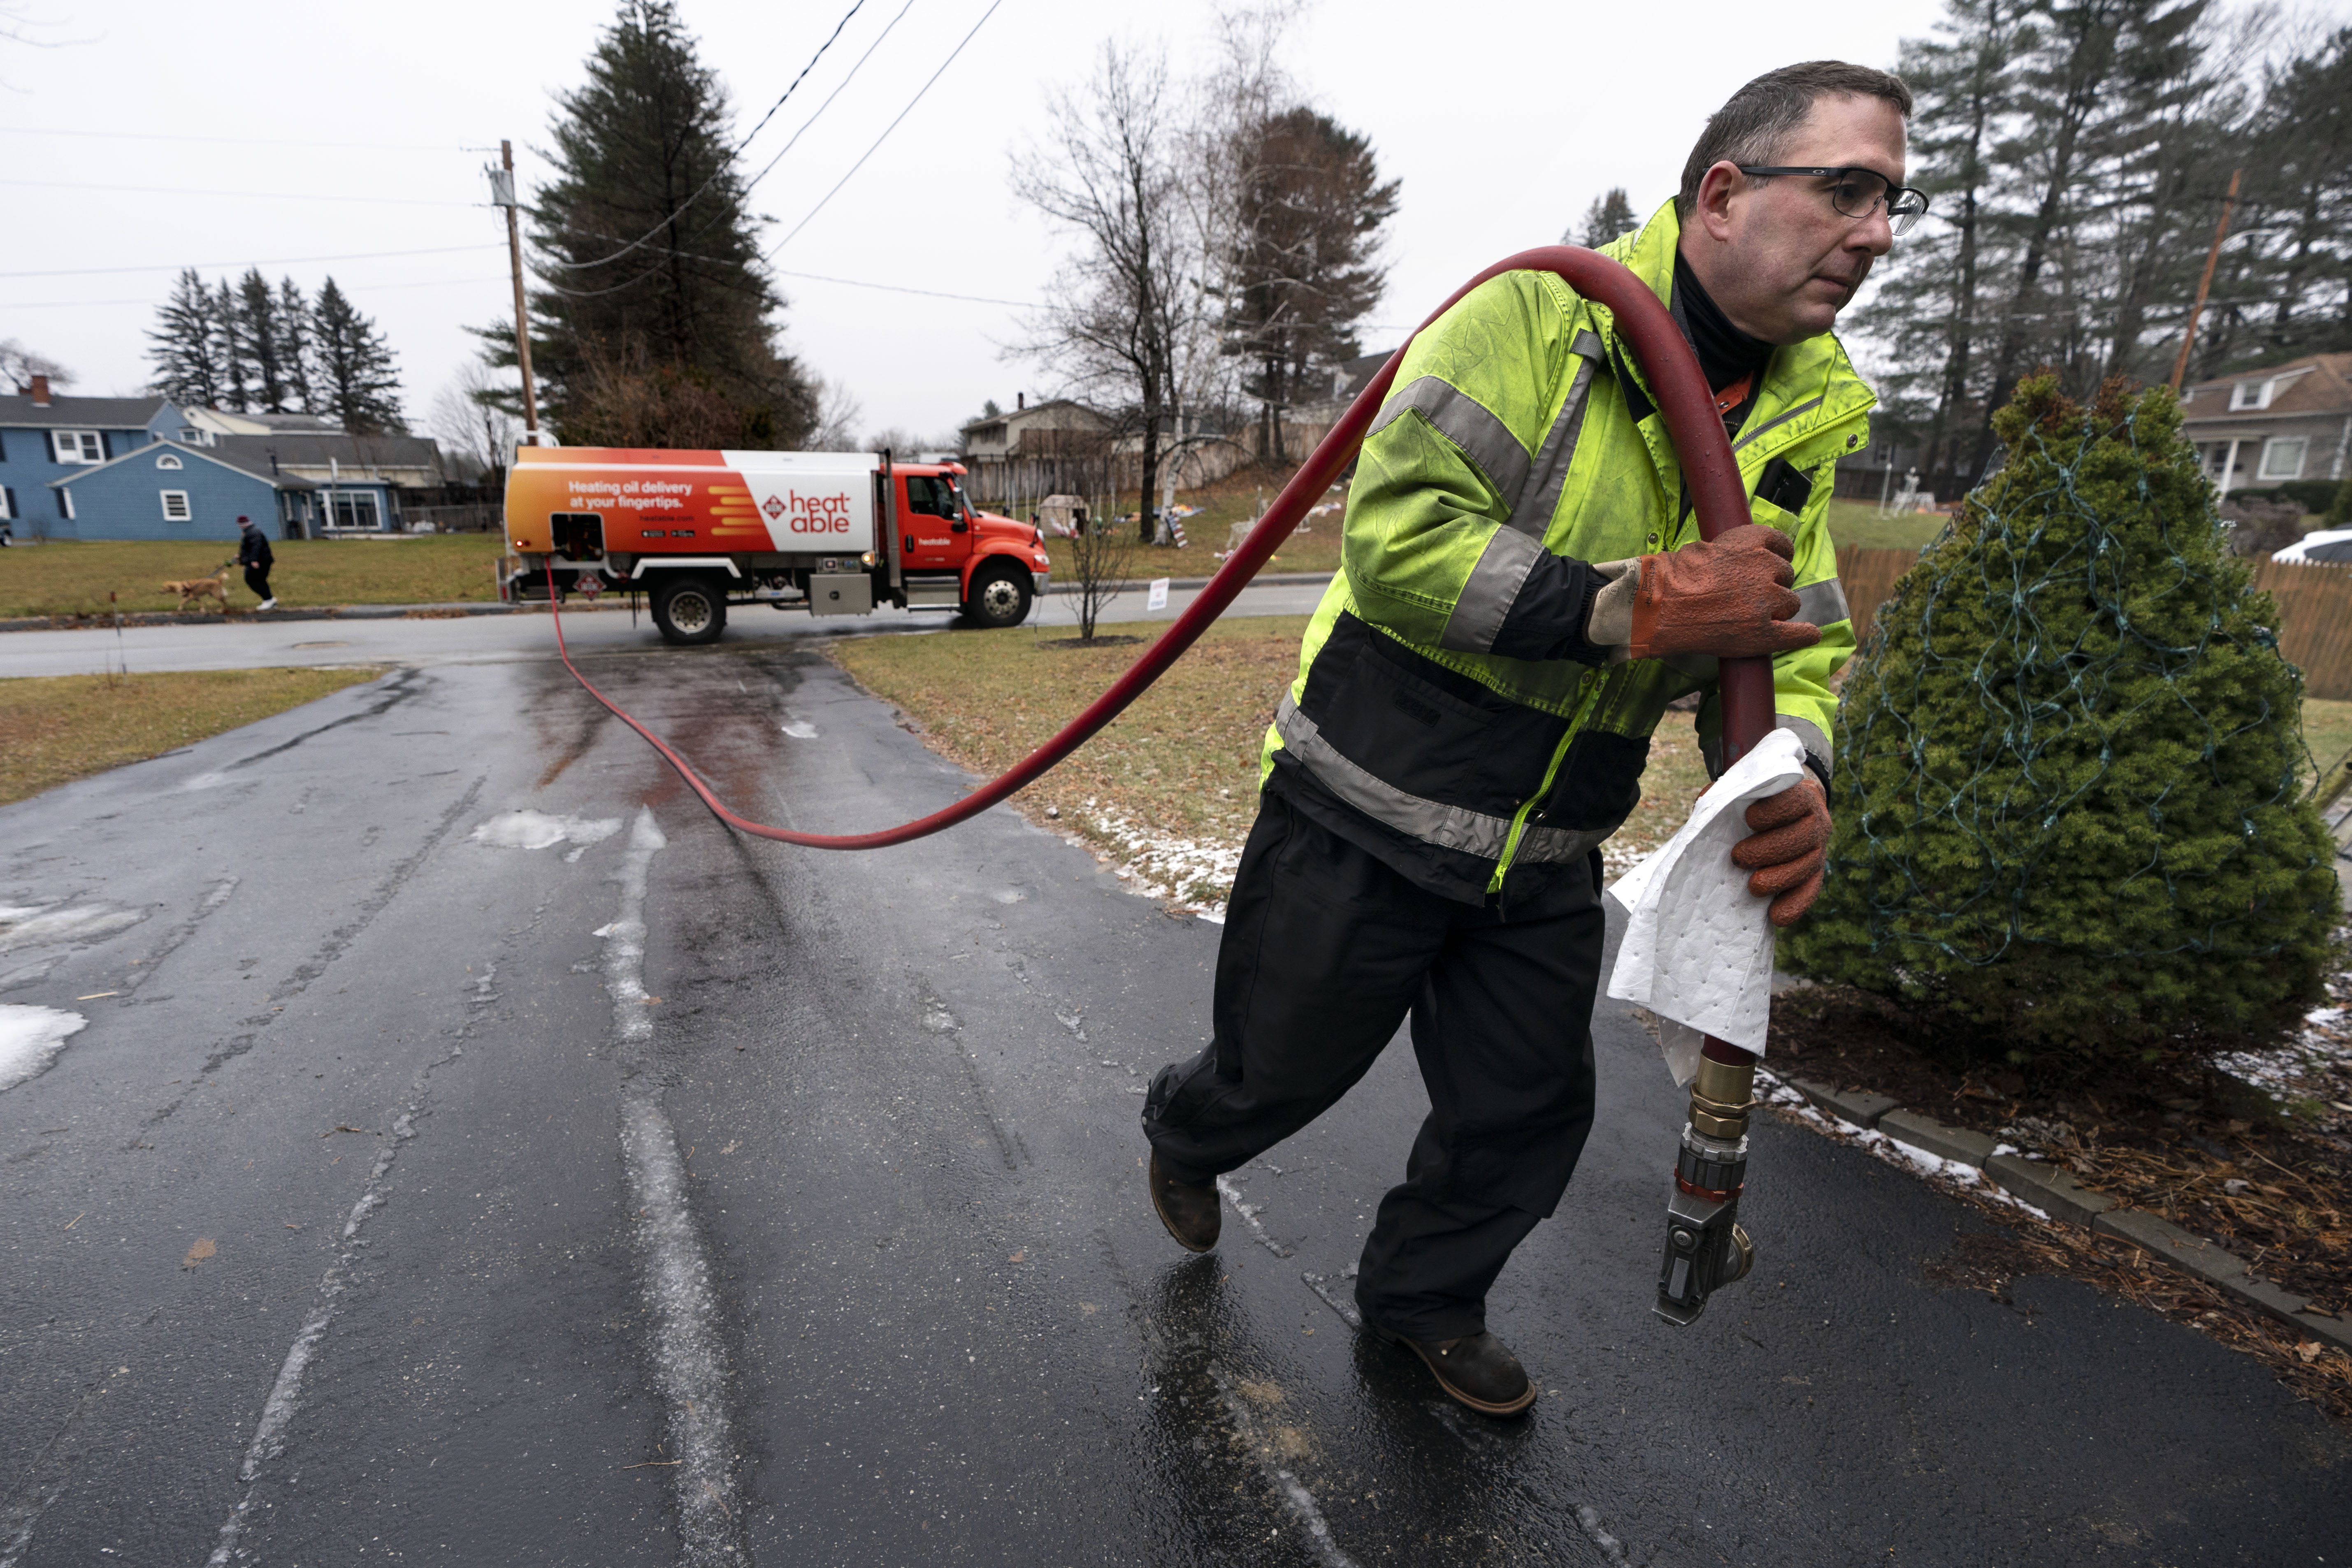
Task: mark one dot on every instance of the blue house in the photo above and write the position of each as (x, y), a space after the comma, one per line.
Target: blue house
(45, 437)
(89, 467)
(170, 491)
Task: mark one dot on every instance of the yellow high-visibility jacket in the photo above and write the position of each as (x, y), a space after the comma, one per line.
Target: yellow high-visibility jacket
(1448, 714)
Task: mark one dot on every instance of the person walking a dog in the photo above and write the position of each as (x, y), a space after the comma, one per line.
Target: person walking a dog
(253, 554)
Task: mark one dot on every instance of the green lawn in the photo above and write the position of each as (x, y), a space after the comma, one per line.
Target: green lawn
(62, 727)
(70, 579)
(1858, 525)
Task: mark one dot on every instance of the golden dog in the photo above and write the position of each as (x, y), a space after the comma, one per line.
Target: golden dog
(195, 588)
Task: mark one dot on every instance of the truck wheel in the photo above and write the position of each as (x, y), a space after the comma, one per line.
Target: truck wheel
(688, 611)
(1000, 596)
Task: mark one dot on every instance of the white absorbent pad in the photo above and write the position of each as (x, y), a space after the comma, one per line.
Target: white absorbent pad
(1697, 950)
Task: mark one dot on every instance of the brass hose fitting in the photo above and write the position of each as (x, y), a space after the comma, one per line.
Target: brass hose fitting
(1721, 1095)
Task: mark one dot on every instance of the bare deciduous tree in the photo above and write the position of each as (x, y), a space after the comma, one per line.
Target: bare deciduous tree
(473, 423)
(1112, 173)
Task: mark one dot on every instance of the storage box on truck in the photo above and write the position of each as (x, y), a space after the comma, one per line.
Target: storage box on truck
(835, 534)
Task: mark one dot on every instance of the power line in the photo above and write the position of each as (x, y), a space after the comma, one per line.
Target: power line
(262, 261)
(241, 196)
(354, 288)
(976, 26)
(900, 288)
(230, 140)
(732, 154)
(821, 108)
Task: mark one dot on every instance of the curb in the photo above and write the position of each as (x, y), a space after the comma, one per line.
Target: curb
(272, 618)
(431, 611)
(2057, 1194)
(1263, 580)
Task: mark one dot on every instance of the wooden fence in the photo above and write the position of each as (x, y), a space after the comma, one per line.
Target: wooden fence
(2314, 605)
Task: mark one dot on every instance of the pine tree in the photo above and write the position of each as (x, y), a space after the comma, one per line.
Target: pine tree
(232, 350)
(655, 296)
(265, 342)
(2068, 804)
(351, 367)
(1312, 205)
(186, 339)
(295, 347)
(1610, 216)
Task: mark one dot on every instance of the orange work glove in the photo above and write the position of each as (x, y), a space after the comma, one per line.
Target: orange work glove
(1785, 851)
(1730, 599)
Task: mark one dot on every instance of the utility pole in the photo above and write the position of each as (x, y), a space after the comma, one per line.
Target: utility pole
(502, 194)
(2221, 233)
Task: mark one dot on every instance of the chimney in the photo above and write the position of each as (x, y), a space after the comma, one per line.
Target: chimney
(40, 392)
(1020, 401)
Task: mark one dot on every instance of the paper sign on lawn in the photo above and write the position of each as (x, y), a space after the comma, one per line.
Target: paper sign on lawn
(1158, 598)
(1697, 950)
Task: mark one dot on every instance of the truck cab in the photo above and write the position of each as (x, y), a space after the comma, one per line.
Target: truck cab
(833, 533)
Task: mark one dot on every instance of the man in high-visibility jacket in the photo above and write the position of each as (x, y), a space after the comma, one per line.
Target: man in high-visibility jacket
(1523, 593)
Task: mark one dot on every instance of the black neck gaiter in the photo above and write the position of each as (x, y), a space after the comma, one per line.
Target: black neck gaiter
(1725, 352)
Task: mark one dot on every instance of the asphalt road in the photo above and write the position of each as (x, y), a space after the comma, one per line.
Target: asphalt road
(655, 1196)
(247, 643)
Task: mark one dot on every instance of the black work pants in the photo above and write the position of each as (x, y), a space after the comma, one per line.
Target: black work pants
(257, 579)
(1326, 951)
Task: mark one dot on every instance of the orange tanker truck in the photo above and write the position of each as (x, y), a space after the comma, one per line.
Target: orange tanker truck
(835, 534)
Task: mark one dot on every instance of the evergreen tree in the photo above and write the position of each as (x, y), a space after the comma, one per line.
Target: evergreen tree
(2068, 804)
(1929, 309)
(654, 297)
(1304, 270)
(293, 320)
(186, 339)
(264, 328)
(1609, 215)
(232, 350)
(351, 367)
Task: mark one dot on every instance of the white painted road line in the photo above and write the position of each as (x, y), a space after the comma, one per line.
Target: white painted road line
(689, 1362)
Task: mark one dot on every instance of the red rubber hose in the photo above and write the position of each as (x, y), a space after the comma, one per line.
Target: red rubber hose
(1716, 492)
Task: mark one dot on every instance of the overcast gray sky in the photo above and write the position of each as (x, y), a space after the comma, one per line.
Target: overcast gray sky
(157, 136)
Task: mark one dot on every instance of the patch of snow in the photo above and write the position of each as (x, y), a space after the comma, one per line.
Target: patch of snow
(801, 730)
(30, 1038)
(537, 830)
(1193, 872)
(37, 925)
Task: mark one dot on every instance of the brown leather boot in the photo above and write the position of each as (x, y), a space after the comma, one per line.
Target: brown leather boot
(1479, 1371)
(1191, 1214)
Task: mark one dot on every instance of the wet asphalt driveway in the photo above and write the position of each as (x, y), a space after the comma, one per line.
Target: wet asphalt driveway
(413, 1192)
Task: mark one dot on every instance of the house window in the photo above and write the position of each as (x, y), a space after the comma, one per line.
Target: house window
(167, 462)
(175, 506)
(355, 511)
(2250, 395)
(77, 445)
(2282, 458)
(65, 502)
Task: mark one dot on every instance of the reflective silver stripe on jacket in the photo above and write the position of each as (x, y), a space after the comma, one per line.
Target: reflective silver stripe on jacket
(1809, 735)
(1823, 604)
(1447, 827)
(1748, 436)
(1532, 515)
(1487, 594)
(1468, 424)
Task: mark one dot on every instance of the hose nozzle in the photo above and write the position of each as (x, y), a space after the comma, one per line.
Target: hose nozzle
(1707, 1246)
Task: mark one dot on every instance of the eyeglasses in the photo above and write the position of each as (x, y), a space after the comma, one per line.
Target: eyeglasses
(1857, 192)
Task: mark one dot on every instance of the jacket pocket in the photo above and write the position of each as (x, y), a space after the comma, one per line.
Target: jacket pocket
(1599, 783)
(1421, 727)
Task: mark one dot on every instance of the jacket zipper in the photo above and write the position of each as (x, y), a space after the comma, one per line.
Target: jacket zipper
(1551, 771)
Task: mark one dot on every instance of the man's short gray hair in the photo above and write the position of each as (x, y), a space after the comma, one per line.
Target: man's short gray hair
(1760, 116)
